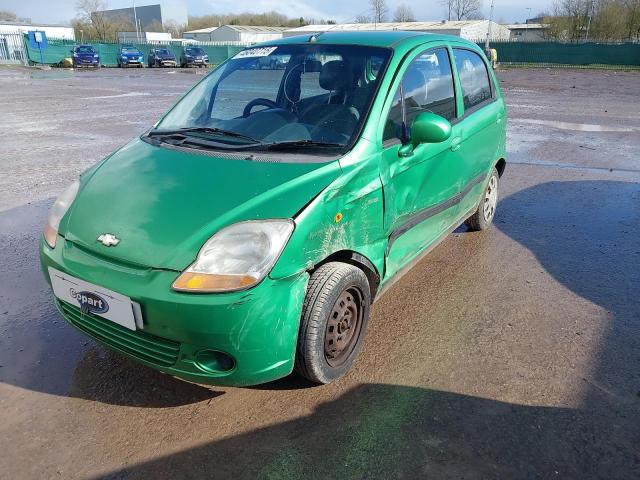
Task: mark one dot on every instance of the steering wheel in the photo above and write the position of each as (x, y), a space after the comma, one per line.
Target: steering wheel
(265, 102)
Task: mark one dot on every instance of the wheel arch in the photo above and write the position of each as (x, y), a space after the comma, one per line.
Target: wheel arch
(357, 260)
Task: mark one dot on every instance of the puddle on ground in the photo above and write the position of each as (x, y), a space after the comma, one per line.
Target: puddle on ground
(581, 127)
(120, 95)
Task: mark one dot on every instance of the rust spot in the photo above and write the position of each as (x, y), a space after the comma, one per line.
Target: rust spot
(338, 217)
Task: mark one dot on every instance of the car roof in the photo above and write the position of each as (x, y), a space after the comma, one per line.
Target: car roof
(389, 38)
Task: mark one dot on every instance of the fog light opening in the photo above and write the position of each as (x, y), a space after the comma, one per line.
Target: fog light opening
(212, 361)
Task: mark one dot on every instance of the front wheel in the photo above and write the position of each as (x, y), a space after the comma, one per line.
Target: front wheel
(334, 320)
(483, 216)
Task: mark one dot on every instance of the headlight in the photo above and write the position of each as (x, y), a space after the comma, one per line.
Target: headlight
(57, 211)
(237, 257)
(140, 59)
(95, 55)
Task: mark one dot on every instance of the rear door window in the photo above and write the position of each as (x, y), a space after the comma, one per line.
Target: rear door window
(474, 77)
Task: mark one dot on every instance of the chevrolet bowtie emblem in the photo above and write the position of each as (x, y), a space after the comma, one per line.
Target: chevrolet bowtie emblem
(108, 240)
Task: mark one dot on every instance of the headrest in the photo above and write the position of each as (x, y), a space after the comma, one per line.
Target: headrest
(335, 76)
(415, 85)
(312, 66)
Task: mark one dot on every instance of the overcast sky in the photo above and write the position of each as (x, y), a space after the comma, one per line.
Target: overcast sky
(61, 11)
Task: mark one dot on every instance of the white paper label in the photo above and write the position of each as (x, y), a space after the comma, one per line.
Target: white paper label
(256, 52)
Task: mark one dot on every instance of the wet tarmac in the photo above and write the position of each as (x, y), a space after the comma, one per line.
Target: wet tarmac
(512, 353)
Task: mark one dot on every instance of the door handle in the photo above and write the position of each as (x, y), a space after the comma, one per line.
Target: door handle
(455, 143)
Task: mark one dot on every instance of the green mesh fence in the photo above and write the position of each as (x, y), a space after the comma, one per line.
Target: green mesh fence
(509, 53)
(568, 54)
(57, 50)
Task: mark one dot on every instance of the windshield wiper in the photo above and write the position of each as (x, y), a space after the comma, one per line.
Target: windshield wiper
(301, 143)
(220, 131)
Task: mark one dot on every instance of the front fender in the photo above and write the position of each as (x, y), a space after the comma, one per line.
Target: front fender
(346, 215)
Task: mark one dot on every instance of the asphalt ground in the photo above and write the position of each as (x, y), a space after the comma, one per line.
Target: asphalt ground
(511, 353)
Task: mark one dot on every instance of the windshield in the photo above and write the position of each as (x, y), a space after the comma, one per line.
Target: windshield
(84, 49)
(163, 51)
(310, 94)
(194, 51)
(130, 50)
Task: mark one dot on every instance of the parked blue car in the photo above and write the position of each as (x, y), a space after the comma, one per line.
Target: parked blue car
(129, 56)
(85, 56)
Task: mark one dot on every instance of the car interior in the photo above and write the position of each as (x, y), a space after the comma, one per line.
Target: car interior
(321, 98)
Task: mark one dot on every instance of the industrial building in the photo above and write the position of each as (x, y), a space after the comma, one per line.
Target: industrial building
(236, 33)
(147, 37)
(527, 32)
(475, 30)
(51, 31)
(149, 17)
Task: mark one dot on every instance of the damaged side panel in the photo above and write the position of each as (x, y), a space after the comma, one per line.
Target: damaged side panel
(347, 215)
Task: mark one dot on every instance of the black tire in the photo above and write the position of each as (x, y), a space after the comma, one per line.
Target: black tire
(336, 306)
(485, 213)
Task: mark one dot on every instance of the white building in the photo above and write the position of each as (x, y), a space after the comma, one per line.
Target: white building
(475, 30)
(527, 31)
(146, 37)
(51, 31)
(236, 33)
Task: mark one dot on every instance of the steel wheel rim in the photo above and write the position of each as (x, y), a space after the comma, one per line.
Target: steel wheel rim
(343, 327)
(490, 199)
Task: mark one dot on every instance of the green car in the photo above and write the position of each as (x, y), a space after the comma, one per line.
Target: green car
(249, 231)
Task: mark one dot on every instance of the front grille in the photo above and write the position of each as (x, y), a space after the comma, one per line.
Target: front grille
(142, 345)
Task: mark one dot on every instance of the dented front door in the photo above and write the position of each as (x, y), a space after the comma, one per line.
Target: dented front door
(418, 188)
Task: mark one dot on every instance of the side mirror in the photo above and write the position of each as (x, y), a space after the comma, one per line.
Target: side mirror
(426, 128)
(430, 128)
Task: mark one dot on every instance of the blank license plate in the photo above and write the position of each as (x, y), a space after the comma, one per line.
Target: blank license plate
(93, 299)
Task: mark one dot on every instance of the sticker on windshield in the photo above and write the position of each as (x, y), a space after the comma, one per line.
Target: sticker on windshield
(256, 52)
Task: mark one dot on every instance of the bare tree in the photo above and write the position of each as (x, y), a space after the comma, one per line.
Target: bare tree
(7, 16)
(362, 18)
(91, 13)
(404, 14)
(462, 9)
(379, 10)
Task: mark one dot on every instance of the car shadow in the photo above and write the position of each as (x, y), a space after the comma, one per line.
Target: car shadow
(585, 234)
(390, 431)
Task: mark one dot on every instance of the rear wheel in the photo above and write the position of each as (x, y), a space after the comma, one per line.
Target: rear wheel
(483, 216)
(334, 320)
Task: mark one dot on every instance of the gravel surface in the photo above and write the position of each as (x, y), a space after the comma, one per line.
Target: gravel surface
(511, 353)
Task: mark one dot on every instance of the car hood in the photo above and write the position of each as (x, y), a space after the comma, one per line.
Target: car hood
(165, 56)
(131, 55)
(163, 204)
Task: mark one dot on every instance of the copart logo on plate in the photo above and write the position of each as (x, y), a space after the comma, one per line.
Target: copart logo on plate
(90, 302)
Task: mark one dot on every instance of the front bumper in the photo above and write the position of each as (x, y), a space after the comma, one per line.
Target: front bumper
(90, 63)
(258, 327)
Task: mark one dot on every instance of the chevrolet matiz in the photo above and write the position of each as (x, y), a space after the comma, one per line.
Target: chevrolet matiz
(248, 232)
